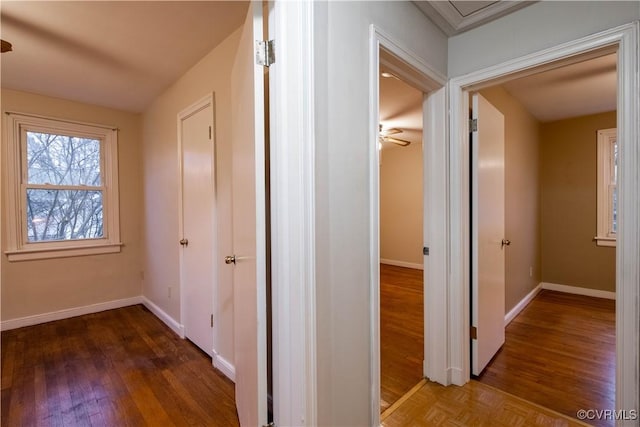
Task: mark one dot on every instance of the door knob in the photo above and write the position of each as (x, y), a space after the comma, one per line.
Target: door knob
(505, 242)
(184, 242)
(230, 259)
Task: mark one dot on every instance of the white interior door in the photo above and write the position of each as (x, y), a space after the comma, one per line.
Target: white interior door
(488, 283)
(196, 130)
(249, 225)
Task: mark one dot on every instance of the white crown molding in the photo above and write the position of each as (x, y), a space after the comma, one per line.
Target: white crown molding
(445, 15)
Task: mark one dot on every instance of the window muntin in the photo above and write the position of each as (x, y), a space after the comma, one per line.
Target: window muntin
(63, 176)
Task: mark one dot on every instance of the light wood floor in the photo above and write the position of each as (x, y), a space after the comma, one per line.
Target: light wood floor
(401, 331)
(475, 404)
(116, 368)
(559, 352)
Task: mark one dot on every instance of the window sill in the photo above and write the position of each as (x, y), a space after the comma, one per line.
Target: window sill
(605, 241)
(62, 252)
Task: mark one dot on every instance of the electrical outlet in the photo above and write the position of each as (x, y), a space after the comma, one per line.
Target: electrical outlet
(530, 271)
(169, 292)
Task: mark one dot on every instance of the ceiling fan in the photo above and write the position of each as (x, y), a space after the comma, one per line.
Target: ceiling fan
(6, 46)
(385, 136)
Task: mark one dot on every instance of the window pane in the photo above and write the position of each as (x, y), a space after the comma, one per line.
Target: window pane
(614, 213)
(63, 215)
(62, 160)
(615, 162)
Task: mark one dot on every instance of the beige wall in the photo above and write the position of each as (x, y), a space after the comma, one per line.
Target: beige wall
(568, 180)
(161, 185)
(401, 204)
(43, 286)
(522, 196)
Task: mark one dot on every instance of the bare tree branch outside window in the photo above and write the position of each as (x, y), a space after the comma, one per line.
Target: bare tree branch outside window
(65, 192)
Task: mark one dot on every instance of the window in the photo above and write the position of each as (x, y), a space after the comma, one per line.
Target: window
(62, 194)
(607, 187)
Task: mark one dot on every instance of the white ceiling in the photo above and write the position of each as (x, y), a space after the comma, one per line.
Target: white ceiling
(123, 54)
(400, 107)
(118, 54)
(579, 89)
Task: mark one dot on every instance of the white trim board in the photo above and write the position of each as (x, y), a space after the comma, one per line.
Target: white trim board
(224, 366)
(162, 315)
(522, 304)
(68, 313)
(405, 264)
(597, 293)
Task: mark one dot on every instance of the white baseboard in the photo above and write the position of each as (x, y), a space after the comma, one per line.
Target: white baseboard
(402, 264)
(456, 377)
(521, 305)
(578, 291)
(224, 366)
(67, 313)
(162, 315)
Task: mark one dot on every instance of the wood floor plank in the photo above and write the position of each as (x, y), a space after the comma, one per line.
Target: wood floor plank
(559, 352)
(401, 332)
(120, 367)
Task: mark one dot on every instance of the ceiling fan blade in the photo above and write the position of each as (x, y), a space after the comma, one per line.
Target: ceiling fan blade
(6, 46)
(389, 131)
(401, 142)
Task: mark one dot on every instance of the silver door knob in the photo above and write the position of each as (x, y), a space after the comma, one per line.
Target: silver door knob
(230, 259)
(184, 242)
(505, 242)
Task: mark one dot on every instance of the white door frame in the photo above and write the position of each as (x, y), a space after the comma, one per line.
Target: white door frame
(204, 102)
(292, 173)
(625, 39)
(412, 69)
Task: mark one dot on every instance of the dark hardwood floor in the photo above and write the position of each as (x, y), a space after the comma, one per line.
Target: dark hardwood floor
(560, 353)
(401, 331)
(120, 367)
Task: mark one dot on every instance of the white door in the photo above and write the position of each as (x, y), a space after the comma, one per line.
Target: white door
(249, 225)
(196, 137)
(488, 287)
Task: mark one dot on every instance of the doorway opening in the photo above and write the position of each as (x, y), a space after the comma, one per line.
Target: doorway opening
(423, 141)
(401, 238)
(622, 40)
(551, 267)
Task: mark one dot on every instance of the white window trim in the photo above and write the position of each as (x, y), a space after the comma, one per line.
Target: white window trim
(18, 248)
(605, 236)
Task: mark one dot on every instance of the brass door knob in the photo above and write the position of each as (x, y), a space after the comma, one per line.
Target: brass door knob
(184, 242)
(230, 259)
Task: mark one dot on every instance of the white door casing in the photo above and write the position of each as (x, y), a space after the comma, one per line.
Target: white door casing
(413, 70)
(625, 40)
(249, 225)
(488, 252)
(197, 270)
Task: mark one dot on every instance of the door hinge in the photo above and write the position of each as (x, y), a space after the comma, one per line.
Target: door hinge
(425, 250)
(474, 333)
(265, 52)
(209, 132)
(473, 125)
(212, 320)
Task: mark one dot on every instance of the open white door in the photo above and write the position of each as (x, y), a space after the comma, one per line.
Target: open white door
(249, 225)
(487, 216)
